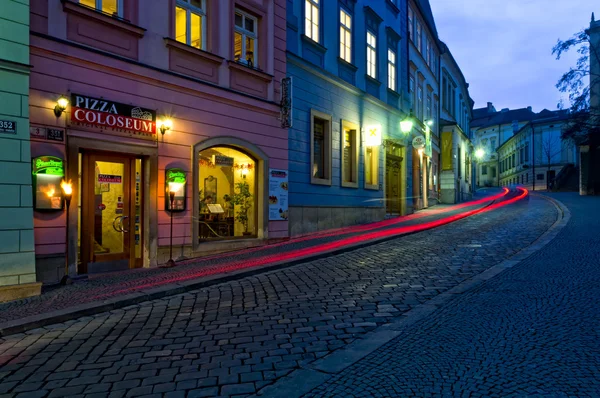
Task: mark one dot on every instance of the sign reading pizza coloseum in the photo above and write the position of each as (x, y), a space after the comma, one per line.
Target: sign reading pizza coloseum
(95, 112)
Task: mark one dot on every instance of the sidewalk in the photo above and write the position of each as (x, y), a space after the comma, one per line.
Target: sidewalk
(117, 290)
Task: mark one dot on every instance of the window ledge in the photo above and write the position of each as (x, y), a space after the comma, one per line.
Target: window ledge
(372, 80)
(393, 6)
(255, 72)
(393, 92)
(192, 50)
(350, 184)
(347, 64)
(76, 8)
(372, 187)
(313, 44)
(320, 181)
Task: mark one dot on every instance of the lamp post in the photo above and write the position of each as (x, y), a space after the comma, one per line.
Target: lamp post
(173, 187)
(67, 188)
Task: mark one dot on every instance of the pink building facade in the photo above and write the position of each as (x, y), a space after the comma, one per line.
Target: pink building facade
(160, 94)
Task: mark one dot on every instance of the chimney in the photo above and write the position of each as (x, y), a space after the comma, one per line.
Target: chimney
(490, 107)
(529, 109)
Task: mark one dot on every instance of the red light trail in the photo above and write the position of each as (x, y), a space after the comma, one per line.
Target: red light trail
(299, 254)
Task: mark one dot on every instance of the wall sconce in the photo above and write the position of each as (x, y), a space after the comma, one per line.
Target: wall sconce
(244, 168)
(406, 125)
(429, 122)
(165, 125)
(61, 105)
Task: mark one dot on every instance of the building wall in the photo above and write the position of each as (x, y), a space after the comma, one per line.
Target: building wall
(209, 97)
(17, 260)
(456, 183)
(323, 82)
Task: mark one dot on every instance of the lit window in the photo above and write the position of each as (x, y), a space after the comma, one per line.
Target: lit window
(419, 36)
(349, 155)
(371, 55)
(245, 40)
(371, 167)
(189, 23)
(391, 70)
(112, 7)
(345, 36)
(411, 29)
(320, 148)
(311, 19)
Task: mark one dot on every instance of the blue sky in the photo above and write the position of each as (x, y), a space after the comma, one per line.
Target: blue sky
(504, 47)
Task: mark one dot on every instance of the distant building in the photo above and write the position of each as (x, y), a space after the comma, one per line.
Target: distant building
(456, 149)
(536, 157)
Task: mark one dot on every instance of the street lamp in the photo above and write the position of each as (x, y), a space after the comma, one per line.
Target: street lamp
(67, 188)
(479, 154)
(406, 125)
(173, 188)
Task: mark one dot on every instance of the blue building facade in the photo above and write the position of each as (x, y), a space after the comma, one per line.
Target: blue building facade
(348, 158)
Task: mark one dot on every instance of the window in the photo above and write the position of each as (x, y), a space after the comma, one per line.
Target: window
(433, 61)
(345, 36)
(411, 28)
(420, 102)
(492, 144)
(311, 19)
(371, 55)
(245, 40)
(371, 167)
(349, 155)
(419, 36)
(493, 170)
(540, 177)
(484, 170)
(391, 69)
(527, 152)
(445, 92)
(459, 163)
(521, 155)
(112, 7)
(428, 51)
(513, 160)
(320, 148)
(428, 113)
(411, 89)
(189, 23)
(227, 178)
(522, 178)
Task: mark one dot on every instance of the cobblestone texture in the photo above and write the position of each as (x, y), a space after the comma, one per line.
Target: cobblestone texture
(531, 331)
(237, 337)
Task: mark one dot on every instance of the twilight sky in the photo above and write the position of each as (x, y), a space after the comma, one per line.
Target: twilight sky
(504, 47)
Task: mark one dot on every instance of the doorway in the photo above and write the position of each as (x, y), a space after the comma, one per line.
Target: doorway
(393, 184)
(110, 213)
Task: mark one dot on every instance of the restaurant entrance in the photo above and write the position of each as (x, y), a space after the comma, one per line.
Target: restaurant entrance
(110, 213)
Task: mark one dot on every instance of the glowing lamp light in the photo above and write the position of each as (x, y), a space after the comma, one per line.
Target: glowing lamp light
(165, 125)
(175, 186)
(406, 125)
(479, 153)
(429, 122)
(67, 188)
(61, 105)
(50, 193)
(244, 172)
(373, 136)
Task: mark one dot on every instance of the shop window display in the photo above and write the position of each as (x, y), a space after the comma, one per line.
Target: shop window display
(226, 194)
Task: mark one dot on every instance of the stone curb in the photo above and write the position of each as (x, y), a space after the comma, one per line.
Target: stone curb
(38, 321)
(301, 381)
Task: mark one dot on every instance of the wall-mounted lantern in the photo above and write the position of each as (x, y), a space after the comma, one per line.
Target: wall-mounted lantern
(164, 125)
(61, 105)
(406, 125)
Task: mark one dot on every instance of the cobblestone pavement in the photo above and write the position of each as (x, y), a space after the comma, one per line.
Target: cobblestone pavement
(533, 330)
(234, 338)
(121, 284)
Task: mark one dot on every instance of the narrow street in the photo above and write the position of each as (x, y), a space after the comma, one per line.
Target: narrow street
(235, 338)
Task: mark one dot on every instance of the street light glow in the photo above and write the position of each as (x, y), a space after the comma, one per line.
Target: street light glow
(479, 153)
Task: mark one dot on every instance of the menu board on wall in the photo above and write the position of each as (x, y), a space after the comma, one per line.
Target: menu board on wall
(278, 195)
(48, 172)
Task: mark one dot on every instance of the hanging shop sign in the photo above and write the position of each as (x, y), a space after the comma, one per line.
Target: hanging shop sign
(373, 135)
(114, 116)
(220, 160)
(176, 178)
(278, 195)
(112, 179)
(418, 142)
(47, 173)
(447, 150)
(8, 127)
(428, 149)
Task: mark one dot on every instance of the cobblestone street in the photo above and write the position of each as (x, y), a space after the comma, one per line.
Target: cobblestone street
(531, 331)
(234, 338)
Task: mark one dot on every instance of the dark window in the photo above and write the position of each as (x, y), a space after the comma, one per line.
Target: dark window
(484, 170)
(493, 170)
(319, 148)
(540, 177)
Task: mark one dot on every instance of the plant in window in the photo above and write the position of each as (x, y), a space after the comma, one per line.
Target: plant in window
(243, 199)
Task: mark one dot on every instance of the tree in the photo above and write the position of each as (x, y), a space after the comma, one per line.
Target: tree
(580, 82)
(551, 146)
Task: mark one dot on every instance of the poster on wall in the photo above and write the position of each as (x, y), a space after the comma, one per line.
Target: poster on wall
(278, 195)
(447, 150)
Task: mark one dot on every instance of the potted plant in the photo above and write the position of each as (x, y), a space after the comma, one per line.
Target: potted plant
(228, 204)
(243, 199)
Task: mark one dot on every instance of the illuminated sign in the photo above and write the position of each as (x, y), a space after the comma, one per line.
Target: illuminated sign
(418, 142)
(373, 137)
(48, 165)
(88, 111)
(176, 178)
(220, 160)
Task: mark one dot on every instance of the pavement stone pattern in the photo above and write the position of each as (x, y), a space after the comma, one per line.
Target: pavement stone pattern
(108, 286)
(532, 331)
(234, 338)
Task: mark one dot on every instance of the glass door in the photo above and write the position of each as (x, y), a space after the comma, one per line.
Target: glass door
(108, 228)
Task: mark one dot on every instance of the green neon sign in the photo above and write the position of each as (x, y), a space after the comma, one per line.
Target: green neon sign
(176, 176)
(48, 165)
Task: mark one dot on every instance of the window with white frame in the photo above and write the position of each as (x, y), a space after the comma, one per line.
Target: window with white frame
(245, 39)
(420, 102)
(411, 89)
(428, 114)
(419, 37)
(345, 36)
(411, 28)
(371, 55)
(320, 151)
(189, 23)
(391, 69)
(112, 7)
(428, 51)
(311, 19)
(349, 154)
